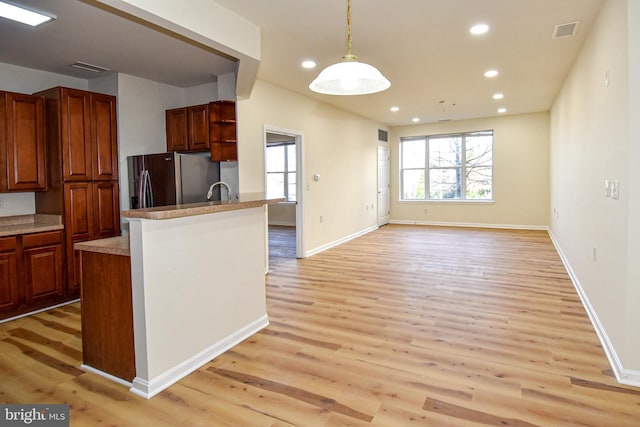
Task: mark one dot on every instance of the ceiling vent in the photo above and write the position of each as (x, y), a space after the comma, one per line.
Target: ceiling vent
(565, 30)
(89, 67)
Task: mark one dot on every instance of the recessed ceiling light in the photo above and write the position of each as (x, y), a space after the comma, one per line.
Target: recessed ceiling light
(308, 64)
(25, 16)
(394, 109)
(502, 110)
(415, 119)
(491, 73)
(498, 96)
(479, 29)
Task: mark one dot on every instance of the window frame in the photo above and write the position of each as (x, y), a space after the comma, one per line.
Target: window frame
(462, 167)
(286, 170)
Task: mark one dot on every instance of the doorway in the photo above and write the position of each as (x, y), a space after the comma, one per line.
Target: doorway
(283, 154)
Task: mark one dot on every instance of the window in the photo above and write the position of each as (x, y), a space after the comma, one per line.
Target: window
(281, 170)
(447, 167)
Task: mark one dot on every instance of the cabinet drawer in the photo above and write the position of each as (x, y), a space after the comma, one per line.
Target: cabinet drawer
(42, 239)
(8, 244)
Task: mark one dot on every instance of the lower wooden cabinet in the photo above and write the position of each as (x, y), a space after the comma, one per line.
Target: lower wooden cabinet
(31, 272)
(9, 297)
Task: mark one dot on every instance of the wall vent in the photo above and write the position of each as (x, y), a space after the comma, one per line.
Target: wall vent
(383, 135)
(565, 30)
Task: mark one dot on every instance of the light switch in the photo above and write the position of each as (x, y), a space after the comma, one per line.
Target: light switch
(615, 190)
(607, 188)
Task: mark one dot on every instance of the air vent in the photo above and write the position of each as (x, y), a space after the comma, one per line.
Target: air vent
(383, 135)
(565, 30)
(89, 67)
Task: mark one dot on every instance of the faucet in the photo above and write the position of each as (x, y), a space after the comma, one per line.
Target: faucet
(222, 184)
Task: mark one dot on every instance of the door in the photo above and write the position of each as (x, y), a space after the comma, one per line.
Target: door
(161, 183)
(76, 135)
(104, 137)
(383, 186)
(25, 142)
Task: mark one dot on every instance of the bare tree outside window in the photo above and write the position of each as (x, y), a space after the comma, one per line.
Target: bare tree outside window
(447, 167)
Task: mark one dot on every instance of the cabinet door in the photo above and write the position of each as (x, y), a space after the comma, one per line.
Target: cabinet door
(25, 152)
(198, 127)
(75, 117)
(9, 296)
(42, 257)
(106, 209)
(78, 201)
(176, 124)
(104, 137)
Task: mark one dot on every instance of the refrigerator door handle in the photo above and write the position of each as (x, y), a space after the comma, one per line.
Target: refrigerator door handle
(149, 189)
(141, 189)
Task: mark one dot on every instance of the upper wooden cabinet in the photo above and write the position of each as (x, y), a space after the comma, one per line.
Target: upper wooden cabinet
(223, 138)
(85, 125)
(22, 145)
(188, 128)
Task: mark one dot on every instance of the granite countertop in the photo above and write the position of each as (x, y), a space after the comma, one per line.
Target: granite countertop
(26, 224)
(111, 245)
(244, 201)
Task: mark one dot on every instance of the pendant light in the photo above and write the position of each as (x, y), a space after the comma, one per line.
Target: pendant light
(350, 76)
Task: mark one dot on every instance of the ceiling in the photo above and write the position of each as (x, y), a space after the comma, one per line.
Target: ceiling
(422, 46)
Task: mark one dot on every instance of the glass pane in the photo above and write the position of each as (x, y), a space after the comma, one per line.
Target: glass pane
(275, 159)
(413, 184)
(445, 152)
(275, 185)
(479, 150)
(291, 158)
(479, 183)
(413, 153)
(444, 183)
(291, 187)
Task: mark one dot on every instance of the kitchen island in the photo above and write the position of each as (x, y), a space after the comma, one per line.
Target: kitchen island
(197, 284)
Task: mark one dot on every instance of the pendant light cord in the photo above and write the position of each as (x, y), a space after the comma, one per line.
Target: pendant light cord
(349, 28)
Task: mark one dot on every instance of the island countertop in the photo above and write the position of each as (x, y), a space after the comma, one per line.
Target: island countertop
(111, 245)
(244, 201)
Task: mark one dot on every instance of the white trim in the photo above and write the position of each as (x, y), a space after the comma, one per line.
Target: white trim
(624, 376)
(340, 241)
(105, 375)
(148, 389)
(39, 311)
(471, 225)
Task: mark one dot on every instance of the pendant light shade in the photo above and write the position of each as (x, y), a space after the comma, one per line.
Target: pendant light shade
(349, 77)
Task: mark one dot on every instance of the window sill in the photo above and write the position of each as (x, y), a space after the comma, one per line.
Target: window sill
(455, 202)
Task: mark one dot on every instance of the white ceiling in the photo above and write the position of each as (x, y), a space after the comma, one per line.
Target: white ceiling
(422, 46)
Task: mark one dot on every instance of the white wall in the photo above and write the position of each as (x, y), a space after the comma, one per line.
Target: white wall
(520, 170)
(592, 125)
(340, 146)
(25, 80)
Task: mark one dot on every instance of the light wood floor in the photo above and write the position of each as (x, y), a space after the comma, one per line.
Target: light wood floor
(407, 325)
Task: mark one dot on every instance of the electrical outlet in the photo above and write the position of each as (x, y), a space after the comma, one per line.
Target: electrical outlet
(595, 254)
(321, 218)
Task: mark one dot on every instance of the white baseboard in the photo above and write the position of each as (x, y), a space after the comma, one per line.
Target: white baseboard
(470, 225)
(624, 376)
(339, 241)
(283, 223)
(149, 388)
(105, 375)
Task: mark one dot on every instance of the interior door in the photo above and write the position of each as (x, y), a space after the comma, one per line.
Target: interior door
(383, 186)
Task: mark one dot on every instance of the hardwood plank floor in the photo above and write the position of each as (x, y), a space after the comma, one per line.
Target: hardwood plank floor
(407, 325)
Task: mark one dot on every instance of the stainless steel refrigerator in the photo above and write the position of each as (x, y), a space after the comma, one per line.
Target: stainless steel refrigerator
(171, 178)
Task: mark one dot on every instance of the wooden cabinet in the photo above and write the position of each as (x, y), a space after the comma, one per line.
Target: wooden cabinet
(31, 272)
(9, 296)
(107, 314)
(22, 144)
(42, 260)
(223, 140)
(188, 128)
(92, 211)
(82, 154)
